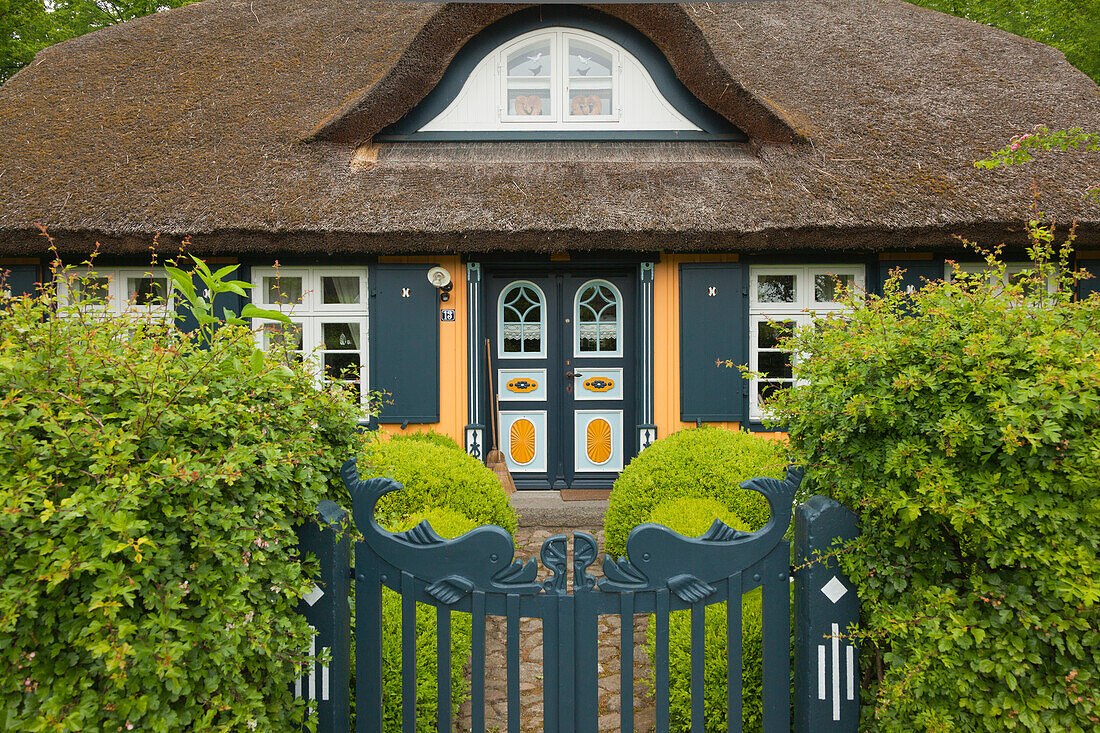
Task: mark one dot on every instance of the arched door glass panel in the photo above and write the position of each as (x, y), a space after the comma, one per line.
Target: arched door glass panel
(521, 321)
(599, 319)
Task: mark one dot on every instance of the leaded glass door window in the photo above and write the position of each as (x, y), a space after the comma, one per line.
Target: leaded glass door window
(522, 321)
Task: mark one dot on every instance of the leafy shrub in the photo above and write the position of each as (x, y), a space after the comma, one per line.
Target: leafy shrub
(701, 462)
(149, 575)
(447, 523)
(429, 436)
(962, 422)
(692, 517)
(436, 476)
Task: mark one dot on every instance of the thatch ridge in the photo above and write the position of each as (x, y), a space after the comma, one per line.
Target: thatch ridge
(192, 122)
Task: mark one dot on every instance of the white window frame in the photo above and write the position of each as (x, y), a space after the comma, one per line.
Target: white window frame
(559, 78)
(311, 313)
(577, 353)
(543, 324)
(117, 302)
(1011, 268)
(801, 310)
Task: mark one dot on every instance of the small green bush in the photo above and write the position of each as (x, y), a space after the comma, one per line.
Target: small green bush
(692, 517)
(700, 462)
(448, 523)
(436, 476)
(149, 575)
(429, 436)
(962, 423)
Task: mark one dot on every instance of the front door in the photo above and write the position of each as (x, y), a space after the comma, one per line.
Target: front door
(562, 364)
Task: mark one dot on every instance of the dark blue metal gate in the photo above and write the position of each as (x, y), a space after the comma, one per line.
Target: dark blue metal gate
(477, 574)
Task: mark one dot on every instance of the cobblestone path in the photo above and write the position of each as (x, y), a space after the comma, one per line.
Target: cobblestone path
(529, 541)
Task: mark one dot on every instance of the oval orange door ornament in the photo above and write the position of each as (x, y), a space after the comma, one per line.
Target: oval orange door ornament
(598, 441)
(521, 445)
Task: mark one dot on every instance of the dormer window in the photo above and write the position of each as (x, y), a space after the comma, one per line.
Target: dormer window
(575, 75)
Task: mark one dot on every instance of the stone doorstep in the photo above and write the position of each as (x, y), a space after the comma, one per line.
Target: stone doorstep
(547, 509)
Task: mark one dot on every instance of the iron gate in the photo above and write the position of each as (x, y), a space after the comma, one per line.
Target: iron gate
(663, 572)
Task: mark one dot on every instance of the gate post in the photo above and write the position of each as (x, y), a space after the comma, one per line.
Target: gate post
(327, 685)
(826, 698)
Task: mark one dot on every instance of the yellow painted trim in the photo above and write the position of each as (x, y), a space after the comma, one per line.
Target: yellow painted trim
(19, 261)
(414, 259)
(1088, 254)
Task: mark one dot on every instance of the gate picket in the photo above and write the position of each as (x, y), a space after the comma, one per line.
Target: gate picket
(662, 573)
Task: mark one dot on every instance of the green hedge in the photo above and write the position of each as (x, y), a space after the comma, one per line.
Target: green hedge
(700, 462)
(436, 475)
(429, 436)
(149, 573)
(962, 423)
(692, 516)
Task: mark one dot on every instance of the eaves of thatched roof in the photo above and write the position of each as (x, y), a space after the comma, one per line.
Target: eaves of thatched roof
(248, 124)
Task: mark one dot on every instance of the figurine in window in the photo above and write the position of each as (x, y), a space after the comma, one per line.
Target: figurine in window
(586, 104)
(530, 105)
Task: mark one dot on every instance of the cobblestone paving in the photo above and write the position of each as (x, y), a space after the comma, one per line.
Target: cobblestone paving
(529, 540)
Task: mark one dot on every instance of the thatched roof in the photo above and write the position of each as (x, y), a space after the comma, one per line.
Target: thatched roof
(243, 123)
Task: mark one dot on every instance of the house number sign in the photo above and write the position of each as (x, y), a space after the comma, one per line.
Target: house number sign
(447, 314)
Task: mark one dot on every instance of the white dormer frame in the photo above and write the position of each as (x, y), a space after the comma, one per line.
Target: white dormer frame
(635, 102)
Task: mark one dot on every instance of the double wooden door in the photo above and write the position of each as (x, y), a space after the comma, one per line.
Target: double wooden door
(563, 366)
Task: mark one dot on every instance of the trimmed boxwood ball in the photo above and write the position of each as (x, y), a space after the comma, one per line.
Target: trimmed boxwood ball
(436, 475)
(692, 517)
(429, 436)
(699, 462)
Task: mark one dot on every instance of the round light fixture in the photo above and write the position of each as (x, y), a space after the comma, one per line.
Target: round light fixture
(439, 277)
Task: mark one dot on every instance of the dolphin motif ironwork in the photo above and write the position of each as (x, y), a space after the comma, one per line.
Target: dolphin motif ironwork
(482, 559)
(657, 557)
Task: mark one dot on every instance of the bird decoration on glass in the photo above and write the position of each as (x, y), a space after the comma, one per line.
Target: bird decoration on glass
(532, 60)
(585, 66)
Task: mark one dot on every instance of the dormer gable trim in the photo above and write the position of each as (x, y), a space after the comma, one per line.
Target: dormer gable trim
(710, 125)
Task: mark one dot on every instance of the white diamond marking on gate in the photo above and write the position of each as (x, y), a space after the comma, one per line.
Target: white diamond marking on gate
(313, 596)
(834, 590)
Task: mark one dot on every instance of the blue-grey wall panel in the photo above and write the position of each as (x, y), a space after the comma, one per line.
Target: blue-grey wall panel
(225, 301)
(916, 272)
(714, 327)
(1085, 288)
(404, 342)
(20, 279)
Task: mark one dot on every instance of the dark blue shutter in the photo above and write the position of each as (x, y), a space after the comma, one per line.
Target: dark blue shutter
(404, 342)
(21, 279)
(714, 327)
(1085, 288)
(225, 301)
(916, 272)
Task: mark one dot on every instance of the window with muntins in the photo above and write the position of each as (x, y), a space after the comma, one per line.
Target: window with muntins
(599, 320)
(521, 321)
(112, 291)
(781, 300)
(559, 79)
(328, 312)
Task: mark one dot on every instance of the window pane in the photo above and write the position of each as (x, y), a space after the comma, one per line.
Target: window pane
(529, 80)
(146, 290)
(775, 288)
(342, 366)
(827, 287)
(90, 288)
(770, 332)
(589, 91)
(283, 290)
(521, 320)
(341, 336)
(769, 389)
(283, 335)
(775, 364)
(339, 290)
(597, 318)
